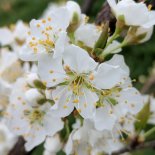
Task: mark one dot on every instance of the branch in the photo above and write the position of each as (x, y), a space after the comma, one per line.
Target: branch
(18, 148)
(87, 6)
(150, 144)
(149, 86)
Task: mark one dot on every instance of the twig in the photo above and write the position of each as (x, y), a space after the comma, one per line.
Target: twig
(149, 86)
(19, 148)
(87, 6)
(150, 144)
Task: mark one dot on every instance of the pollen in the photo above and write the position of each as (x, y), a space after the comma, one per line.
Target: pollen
(76, 101)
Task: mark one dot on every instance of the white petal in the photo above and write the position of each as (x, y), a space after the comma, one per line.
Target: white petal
(107, 76)
(60, 18)
(60, 44)
(78, 59)
(88, 34)
(63, 101)
(52, 124)
(113, 48)
(118, 60)
(129, 9)
(147, 31)
(6, 36)
(50, 70)
(35, 137)
(151, 21)
(27, 54)
(131, 100)
(104, 119)
(87, 103)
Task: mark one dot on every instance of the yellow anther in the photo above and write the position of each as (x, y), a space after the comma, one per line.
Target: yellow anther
(51, 71)
(56, 98)
(65, 107)
(54, 80)
(91, 77)
(49, 19)
(29, 33)
(75, 101)
(33, 38)
(149, 7)
(79, 110)
(44, 21)
(35, 50)
(38, 25)
(85, 105)
(67, 68)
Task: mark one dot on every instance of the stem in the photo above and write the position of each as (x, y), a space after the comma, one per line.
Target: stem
(150, 132)
(102, 56)
(113, 37)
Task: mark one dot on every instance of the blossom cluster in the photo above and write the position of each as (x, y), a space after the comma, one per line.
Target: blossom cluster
(65, 75)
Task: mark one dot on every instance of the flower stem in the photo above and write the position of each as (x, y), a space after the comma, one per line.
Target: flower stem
(149, 132)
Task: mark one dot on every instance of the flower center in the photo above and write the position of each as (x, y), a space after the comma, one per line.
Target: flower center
(34, 115)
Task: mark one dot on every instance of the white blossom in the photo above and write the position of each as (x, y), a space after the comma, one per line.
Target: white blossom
(129, 8)
(27, 118)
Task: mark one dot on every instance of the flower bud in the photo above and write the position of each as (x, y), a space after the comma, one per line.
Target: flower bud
(33, 96)
(31, 78)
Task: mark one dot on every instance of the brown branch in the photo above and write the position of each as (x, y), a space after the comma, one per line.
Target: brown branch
(87, 6)
(18, 148)
(150, 144)
(149, 86)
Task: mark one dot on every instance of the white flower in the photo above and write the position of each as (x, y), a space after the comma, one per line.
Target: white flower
(74, 10)
(120, 103)
(88, 34)
(86, 140)
(7, 139)
(113, 48)
(52, 145)
(47, 36)
(20, 31)
(29, 119)
(6, 36)
(146, 31)
(129, 8)
(5, 90)
(9, 70)
(77, 80)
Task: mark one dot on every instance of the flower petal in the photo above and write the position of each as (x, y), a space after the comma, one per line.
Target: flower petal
(50, 70)
(78, 59)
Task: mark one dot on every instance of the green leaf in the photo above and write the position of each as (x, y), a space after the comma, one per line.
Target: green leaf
(38, 150)
(142, 117)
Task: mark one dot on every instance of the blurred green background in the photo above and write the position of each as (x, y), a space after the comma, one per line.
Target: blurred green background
(140, 58)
